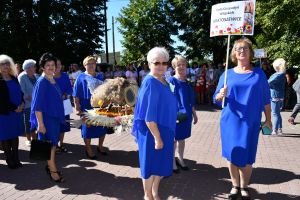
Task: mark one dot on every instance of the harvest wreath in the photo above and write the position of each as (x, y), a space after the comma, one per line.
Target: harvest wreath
(113, 103)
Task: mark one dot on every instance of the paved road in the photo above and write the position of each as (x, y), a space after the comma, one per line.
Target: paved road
(276, 174)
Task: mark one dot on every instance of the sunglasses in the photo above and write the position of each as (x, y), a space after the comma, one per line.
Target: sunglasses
(241, 49)
(160, 63)
(5, 64)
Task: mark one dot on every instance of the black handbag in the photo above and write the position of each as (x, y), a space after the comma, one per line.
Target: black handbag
(181, 117)
(110, 130)
(181, 113)
(40, 150)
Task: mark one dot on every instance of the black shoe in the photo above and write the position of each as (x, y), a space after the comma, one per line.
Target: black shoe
(19, 164)
(103, 153)
(11, 164)
(185, 168)
(176, 171)
(246, 197)
(94, 157)
(234, 196)
(63, 149)
(60, 180)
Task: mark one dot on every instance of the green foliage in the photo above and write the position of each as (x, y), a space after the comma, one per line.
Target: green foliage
(144, 25)
(70, 29)
(278, 30)
(193, 18)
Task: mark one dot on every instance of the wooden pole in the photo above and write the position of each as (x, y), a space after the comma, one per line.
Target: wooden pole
(226, 67)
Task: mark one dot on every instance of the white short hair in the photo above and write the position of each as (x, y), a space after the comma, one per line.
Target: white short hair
(279, 65)
(6, 58)
(157, 52)
(176, 59)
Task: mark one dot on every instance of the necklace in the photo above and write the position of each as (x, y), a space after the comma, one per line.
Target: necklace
(243, 69)
(50, 79)
(160, 79)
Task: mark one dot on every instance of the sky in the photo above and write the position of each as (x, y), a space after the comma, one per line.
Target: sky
(114, 9)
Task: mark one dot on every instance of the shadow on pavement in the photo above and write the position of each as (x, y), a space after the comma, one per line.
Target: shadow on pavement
(209, 108)
(292, 135)
(201, 182)
(81, 178)
(207, 182)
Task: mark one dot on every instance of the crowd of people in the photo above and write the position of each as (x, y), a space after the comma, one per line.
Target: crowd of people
(32, 104)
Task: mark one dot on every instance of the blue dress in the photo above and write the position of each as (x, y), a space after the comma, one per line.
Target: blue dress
(155, 103)
(47, 98)
(83, 84)
(11, 125)
(247, 96)
(186, 101)
(65, 86)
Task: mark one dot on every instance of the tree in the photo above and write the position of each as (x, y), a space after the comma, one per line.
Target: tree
(193, 19)
(144, 25)
(277, 29)
(70, 29)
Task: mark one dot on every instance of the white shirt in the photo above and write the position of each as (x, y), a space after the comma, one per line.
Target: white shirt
(131, 75)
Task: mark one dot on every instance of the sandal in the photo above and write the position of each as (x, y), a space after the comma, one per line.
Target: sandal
(60, 180)
(246, 195)
(48, 170)
(234, 196)
(185, 168)
(104, 153)
(63, 149)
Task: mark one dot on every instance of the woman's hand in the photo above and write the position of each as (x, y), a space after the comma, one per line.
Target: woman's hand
(41, 128)
(195, 118)
(222, 93)
(78, 112)
(20, 108)
(158, 143)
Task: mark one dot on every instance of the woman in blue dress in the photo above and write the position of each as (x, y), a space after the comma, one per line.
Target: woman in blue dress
(154, 123)
(186, 102)
(64, 83)
(47, 111)
(11, 107)
(84, 85)
(247, 95)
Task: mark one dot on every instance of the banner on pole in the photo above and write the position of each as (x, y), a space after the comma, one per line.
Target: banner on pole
(260, 53)
(234, 18)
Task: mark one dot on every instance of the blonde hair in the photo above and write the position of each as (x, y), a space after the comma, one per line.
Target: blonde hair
(177, 59)
(6, 58)
(279, 65)
(88, 58)
(245, 41)
(157, 51)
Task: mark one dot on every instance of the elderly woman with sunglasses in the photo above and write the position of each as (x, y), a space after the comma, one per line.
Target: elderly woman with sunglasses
(154, 123)
(11, 107)
(186, 101)
(246, 95)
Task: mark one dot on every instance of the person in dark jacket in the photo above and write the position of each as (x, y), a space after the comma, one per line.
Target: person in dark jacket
(11, 108)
